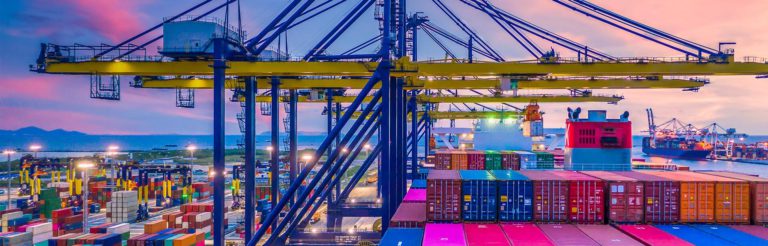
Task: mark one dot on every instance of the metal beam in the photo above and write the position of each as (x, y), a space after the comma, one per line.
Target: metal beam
(628, 67)
(219, 69)
(275, 132)
(250, 155)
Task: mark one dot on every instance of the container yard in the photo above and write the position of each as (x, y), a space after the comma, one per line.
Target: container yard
(383, 122)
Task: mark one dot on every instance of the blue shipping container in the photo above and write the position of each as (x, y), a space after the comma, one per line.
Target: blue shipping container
(735, 236)
(403, 237)
(693, 236)
(419, 184)
(515, 196)
(478, 190)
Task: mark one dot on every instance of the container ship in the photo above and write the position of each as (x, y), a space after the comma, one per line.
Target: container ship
(674, 139)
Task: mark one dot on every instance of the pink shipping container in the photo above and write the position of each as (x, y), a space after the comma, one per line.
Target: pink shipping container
(754, 230)
(409, 215)
(607, 235)
(526, 234)
(475, 160)
(585, 197)
(485, 234)
(415, 195)
(650, 235)
(444, 235)
(550, 196)
(566, 234)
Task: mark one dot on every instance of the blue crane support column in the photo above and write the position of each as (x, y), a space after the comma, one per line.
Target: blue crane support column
(275, 167)
(414, 137)
(329, 224)
(338, 138)
(386, 169)
(293, 137)
(250, 155)
(219, 73)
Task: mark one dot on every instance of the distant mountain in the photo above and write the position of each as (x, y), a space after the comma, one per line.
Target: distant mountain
(36, 131)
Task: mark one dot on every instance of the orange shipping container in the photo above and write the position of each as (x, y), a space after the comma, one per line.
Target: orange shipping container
(697, 197)
(459, 160)
(758, 188)
(185, 240)
(732, 200)
(155, 226)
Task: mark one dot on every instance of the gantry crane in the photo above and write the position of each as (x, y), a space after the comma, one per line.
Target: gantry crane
(391, 79)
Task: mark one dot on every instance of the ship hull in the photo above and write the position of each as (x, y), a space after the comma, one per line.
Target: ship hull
(677, 153)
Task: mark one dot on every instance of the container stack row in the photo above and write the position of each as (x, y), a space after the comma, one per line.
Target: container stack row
(122, 229)
(595, 197)
(123, 207)
(478, 234)
(66, 221)
(493, 160)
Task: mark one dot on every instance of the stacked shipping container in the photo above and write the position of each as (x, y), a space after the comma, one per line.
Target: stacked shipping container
(479, 191)
(550, 196)
(758, 188)
(515, 196)
(585, 197)
(443, 195)
(624, 197)
(661, 197)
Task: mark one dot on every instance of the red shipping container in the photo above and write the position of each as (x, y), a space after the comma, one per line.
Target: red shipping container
(443, 195)
(410, 215)
(475, 160)
(697, 196)
(585, 197)
(443, 160)
(526, 234)
(650, 235)
(758, 188)
(661, 197)
(550, 196)
(510, 160)
(607, 235)
(459, 160)
(566, 234)
(485, 234)
(625, 197)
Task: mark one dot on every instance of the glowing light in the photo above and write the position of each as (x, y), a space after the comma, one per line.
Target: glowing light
(212, 173)
(191, 147)
(463, 135)
(378, 200)
(351, 231)
(113, 148)
(344, 150)
(306, 157)
(85, 165)
(117, 60)
(367, 146)
(35, 147)
(353, 201)
(270, 148)
(314, 230)
(8, 152)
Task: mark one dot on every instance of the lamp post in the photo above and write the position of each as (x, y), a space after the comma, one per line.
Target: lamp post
(35, 148)
(9, 153)
(191, 148)
(84, 167)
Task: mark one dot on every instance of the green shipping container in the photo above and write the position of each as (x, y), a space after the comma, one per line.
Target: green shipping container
(545, 160)
(492, 160)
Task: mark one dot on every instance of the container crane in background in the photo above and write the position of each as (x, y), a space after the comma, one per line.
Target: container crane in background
(675, 138)
(389, 77)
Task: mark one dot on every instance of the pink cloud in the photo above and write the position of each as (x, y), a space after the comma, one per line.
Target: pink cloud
(113, 19)
(31, 87)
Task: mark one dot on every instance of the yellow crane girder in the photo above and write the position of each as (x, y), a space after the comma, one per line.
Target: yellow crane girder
(463, 99)
(459, 115)
(403, 67)
(352, 83)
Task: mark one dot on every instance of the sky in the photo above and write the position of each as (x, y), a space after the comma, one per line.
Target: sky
(57, 101)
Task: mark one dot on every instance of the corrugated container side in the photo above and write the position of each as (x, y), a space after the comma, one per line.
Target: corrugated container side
(566, 234)
(443, 160)
(459, 160)
(526, 234)
(479, 191)
(732, 235)
(550, 196)
(758, 188)
(409, 215)
(493, 160)
(607, 235)
(697, 197)
(485, 234)
(475, 160)
(661, 197)
(754, 230)
(443, 195)
(527, 160)
(732, 198)
(510, 160)
(650, 235)
(624, 197)
(585, 197)
(444, 235)
(694, 236)
(403, 237)
(515, 196)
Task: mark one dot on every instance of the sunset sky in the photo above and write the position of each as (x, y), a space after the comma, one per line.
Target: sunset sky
(56, 101)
